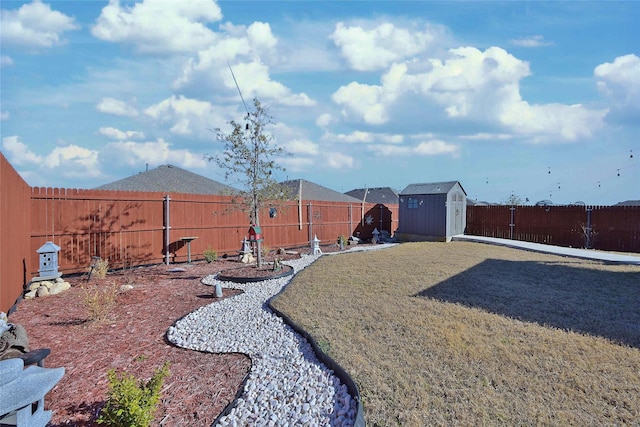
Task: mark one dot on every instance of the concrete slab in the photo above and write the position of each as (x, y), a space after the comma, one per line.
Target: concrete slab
(610, 257)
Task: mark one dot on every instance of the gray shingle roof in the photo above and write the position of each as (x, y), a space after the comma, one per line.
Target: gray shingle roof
(628, 203)
(311, 191)
(382, 195)
(431, 188)
(169, 179)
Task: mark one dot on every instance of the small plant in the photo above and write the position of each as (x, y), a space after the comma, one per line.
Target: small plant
(342, 241)
(324, 345)
(132, 403)
(100, 268)
(589, 236)
(127, 273)
(98, 301)
(210, 255)
(265, 250)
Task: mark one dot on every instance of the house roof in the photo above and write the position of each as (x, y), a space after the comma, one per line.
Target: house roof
(169, 179)
(311, 191)
(381, 195)
(431, 188)
(629, 203)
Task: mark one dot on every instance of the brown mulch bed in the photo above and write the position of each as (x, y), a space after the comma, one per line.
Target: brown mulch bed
(132, 340)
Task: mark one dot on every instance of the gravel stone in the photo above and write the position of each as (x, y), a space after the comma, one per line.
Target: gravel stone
(287, 383)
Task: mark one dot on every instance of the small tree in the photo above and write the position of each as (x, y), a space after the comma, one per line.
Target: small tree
(249, 155)
(514, 200)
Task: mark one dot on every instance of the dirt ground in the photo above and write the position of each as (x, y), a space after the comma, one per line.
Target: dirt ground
(132, 340)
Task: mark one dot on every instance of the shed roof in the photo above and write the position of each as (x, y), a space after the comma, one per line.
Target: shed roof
(382, 195)
(169, 178)
(431, 188)
(311, 191)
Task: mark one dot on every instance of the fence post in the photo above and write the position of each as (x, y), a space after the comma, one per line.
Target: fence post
(511, 224)
(310, 218)
(167, 226)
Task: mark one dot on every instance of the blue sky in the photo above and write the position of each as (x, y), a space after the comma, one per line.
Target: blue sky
(536, 99)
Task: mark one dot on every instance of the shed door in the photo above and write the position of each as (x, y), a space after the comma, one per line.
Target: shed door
(455, 219)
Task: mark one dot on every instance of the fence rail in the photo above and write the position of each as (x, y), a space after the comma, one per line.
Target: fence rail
(609, 228)
(131, 228)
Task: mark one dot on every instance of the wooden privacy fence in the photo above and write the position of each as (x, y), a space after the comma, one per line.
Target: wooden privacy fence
(133, 228)
(15, 227)
(610, 228)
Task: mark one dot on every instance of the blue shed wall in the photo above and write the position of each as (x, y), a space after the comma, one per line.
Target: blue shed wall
(429, 219)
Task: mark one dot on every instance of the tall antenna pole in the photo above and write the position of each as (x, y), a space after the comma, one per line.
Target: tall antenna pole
(238, 87)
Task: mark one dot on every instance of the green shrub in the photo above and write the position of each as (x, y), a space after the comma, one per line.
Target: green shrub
(210, 255)
(132, 403)
(342, 241)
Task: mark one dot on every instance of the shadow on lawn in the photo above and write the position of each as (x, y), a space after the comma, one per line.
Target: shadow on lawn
(593, 302)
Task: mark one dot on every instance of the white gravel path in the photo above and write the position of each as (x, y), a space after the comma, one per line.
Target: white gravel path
(287, 384)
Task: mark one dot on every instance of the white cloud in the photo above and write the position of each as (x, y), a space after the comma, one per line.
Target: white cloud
(391, 139)
(6, 61)
(362, 101)
(484, 136)
(531, 41)
(362, 137)
(552, 122)
(4, 115)
(261, 39)
(482, 86)
(298, 163)
(159, 26)
(187, 116)
(70, 161)
(485, 86)
(426, 148)
(210, 66)
(74, 160)
(355, 137)
(389, 150)
(117, 107)
(254, 81)
(211, 72)
(152, 152)
(470, 81)
(18, 152)
(620, 82)
(34, 25)
(376, 48)
(302, 147)
(436, 147)
(248, 50)
(338, 160)
(324, 120)
(114, 133)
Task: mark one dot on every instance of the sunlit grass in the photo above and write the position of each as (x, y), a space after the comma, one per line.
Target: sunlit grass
(470, 334)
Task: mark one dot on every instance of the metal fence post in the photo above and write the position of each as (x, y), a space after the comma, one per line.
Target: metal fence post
(511, 224)
(167, 226)
(588, 229)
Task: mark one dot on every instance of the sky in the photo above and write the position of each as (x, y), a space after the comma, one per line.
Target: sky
(540, 100)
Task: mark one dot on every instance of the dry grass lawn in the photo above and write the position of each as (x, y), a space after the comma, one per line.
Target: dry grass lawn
(470, 334)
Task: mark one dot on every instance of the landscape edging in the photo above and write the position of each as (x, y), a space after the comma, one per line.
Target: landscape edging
(329, 362)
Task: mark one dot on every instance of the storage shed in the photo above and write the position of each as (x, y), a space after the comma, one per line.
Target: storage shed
(432, 212)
